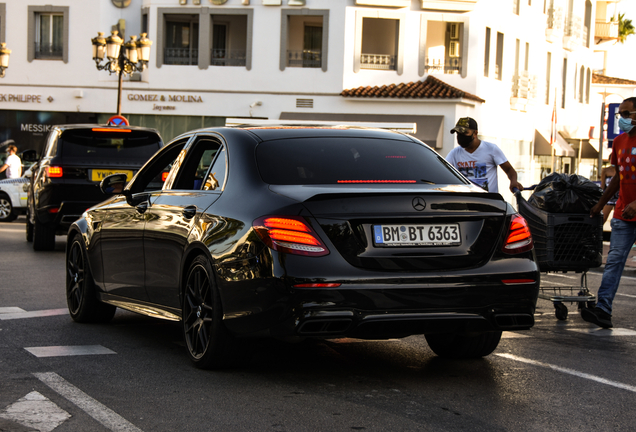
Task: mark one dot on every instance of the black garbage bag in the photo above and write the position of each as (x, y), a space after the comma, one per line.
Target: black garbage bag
(565, 193)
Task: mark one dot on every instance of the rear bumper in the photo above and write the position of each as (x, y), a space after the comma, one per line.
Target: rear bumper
(377, 313)
(60, 217)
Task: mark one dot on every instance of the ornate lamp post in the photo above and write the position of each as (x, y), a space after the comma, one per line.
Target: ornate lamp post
(133, 58)
(4, 58)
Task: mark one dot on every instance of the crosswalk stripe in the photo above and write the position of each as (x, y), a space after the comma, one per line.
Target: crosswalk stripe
(107, 417)
(33, 314)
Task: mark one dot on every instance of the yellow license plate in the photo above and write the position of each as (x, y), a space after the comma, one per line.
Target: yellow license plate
(99, 174)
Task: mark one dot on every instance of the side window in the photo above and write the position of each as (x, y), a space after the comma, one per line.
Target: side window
(154, 175)
(200, 155)
(216, 177)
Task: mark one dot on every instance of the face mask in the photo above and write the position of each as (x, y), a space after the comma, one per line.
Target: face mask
(464, 140)
(624, 124)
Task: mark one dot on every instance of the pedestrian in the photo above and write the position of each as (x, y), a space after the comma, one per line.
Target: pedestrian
(623, 223)
(477, 159)
(13, 164)
(606, 177)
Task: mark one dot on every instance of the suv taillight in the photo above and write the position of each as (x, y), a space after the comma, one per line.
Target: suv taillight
(289, 234)
(54, 172)
(519, 238)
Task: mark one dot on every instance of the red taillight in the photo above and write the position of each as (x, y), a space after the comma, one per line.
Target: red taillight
(54, 172)
(518, 281)
(54, 210)
(519, 237)
(317, 285)
(289, 234)
(164, 176)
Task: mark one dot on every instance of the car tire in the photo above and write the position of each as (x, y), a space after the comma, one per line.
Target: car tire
(81, 295)
(29, 230)
(463, 346)
(209, 343)
(7, 213)
(43, 237)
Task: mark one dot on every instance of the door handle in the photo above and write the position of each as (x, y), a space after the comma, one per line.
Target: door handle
(142, 207)
(190, 211)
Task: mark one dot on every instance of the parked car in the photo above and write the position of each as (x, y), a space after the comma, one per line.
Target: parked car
(65, 180)
(13, 197)
(303, 232)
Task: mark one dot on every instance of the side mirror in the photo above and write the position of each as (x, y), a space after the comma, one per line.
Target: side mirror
(29, 156)
(113, 184)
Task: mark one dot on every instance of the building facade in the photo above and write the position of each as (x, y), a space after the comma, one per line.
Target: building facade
(513, 65)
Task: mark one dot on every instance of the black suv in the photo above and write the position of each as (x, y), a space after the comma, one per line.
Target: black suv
(65, 180)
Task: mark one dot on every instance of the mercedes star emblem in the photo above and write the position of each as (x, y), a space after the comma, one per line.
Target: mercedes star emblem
(419, 204)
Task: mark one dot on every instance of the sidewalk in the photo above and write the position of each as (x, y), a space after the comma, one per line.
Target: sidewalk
(630, 264)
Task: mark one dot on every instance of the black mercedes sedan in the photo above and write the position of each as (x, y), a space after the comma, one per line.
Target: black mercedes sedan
(304, 232)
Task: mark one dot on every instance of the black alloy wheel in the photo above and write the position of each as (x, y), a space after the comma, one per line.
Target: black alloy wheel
(463, 345)
(209, 344)
(81, 297)
(6, 209)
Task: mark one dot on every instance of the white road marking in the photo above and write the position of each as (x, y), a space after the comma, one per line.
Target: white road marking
(36, 412)
(352, 340)
(11, 310)
(513, 335)
(104, 415)
(60, 351)
(549, 283)
(569, 371)
(626, 295)
(605, 332)
(34, 314)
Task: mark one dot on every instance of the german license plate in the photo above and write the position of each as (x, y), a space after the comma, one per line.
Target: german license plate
(417, 235)
(99, 174)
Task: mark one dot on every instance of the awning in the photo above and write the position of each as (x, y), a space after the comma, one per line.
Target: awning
(587, 150)
(430, 128)
(542, 145)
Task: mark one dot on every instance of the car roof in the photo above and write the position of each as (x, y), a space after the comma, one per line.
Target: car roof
(283, 131)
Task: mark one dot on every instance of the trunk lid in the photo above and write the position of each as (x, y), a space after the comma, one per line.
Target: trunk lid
(406, 229)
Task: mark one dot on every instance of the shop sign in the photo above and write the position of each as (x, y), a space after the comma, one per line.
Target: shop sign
(25, 98)
(137, 97)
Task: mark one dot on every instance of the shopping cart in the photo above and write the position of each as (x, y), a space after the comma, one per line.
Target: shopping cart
(564, 242)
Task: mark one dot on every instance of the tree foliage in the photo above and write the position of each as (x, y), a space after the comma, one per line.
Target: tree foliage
(625, 28)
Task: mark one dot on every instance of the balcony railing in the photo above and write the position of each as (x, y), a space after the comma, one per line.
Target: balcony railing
(555, 18)
(524, 85)
(304, 58)
(48, 51)
(222, 57)
(573, 26)
(606, 30)
(452, 65)
(181, 56)
(378, 61)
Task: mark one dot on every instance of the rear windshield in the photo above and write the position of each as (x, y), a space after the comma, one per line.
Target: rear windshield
(349, 161)
(134, 146)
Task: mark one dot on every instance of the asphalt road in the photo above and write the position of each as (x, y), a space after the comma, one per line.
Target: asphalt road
(133, 374)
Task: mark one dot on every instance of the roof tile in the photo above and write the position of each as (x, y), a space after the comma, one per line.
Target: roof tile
(429, 88)
(603, 79)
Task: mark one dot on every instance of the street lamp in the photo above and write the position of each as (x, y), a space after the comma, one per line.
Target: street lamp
(4, 58)
(132, 58)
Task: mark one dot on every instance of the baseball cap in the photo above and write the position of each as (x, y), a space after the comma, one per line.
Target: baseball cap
(463, 124)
